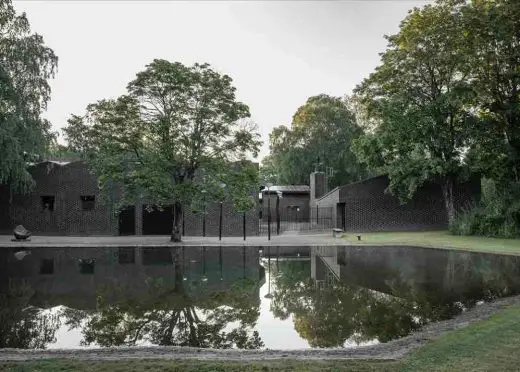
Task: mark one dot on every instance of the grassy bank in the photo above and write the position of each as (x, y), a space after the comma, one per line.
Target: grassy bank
(490, 345)
(439, 239)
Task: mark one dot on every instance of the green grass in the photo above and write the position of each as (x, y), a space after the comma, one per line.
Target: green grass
(438, 239)
(489, 345)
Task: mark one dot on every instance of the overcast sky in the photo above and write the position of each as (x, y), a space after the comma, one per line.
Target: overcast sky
(278, 53)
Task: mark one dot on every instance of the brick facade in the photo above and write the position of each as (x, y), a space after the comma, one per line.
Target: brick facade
(69, 187)
(293, 206)
(66, 184)
(365, 206)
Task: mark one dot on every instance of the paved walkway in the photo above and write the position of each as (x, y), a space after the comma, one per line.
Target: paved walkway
(286, 239)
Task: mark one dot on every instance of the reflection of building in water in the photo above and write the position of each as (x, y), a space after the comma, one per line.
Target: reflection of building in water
(398, 270)
(75, 276)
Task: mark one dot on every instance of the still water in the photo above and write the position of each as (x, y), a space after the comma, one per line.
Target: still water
(238, 297)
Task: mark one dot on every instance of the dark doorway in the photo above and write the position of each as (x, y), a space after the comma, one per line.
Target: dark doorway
(341, 216)
(127, 221)
(157, 222)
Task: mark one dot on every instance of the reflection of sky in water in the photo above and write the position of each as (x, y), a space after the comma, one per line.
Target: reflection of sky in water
(381, 294)
(274, 332)
(280, 334)
(65, 338)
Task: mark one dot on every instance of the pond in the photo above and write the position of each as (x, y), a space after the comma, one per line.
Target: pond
(238, 297)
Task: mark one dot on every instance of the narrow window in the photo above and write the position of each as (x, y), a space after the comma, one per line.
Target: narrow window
(86, 266)
(47, 266)
(47, 202)
(88, 202)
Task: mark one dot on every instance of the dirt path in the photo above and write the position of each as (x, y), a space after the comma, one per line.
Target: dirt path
(391, 350)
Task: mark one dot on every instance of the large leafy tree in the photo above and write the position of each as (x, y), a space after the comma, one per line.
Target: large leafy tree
(26, 65)
(493, 42)
(423, 102)
(321, 132)
(172, 136)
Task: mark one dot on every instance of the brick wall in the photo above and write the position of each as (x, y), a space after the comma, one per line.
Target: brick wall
(232, 221)
(66, 183)
(330, 202)
(5, 220)
(369, 208)
(286, 212)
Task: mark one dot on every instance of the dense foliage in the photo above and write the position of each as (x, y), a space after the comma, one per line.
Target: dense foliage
(446, 102)
(26, 65)
(321, 132)
(174, 135)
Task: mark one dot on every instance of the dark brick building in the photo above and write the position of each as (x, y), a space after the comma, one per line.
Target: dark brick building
(291, 201)
(66, 201)
(366, 206)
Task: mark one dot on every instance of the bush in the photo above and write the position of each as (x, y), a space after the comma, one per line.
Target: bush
(497, 215)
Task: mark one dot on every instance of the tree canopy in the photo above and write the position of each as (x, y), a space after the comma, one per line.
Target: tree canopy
(321, 132)
(422, 97)
(26, 65)
(174, 134)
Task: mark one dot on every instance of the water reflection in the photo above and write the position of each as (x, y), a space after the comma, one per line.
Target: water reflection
(210, 296)
(382, 293)
(196, 296)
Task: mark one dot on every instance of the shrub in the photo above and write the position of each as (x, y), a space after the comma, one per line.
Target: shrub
(497, 214)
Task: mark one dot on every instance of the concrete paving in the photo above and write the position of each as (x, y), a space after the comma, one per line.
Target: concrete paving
(286, 239)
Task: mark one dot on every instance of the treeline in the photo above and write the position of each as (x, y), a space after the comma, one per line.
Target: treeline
(443, 104)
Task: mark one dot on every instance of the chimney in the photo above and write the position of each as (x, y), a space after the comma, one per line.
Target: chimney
(318, 186)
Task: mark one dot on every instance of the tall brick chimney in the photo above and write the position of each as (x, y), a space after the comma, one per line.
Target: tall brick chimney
(318, 186)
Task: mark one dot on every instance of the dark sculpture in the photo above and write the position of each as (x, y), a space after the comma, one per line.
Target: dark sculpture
(21, 233)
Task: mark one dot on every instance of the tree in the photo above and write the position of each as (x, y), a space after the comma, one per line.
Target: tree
(23, 325)
(422, 99)
(321, 131)
(492, 42)
(173, 135)
(185, 314)
(26, 65)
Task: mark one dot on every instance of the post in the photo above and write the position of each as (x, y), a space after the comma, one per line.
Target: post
(220, 262)
(268, 215)
(277, 214)
(244, 224)
(317, 212)
(220, 223)
(244, 261)
(183, 229)
(204, 217)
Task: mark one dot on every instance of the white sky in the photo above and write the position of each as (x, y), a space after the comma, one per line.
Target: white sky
(278, 53)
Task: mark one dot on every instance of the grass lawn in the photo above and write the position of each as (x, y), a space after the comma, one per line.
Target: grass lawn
(438, 239)
(490, 345)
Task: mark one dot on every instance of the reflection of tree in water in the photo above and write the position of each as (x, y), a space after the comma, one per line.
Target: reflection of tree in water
(183, 316)
(22, 325)
(328, 316)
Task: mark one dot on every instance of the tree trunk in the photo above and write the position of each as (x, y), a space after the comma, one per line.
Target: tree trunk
(448, 185)
(177, 223)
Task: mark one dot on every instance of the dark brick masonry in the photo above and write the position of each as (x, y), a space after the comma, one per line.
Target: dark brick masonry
(62, 188)
(66, 201)
(367, 207)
